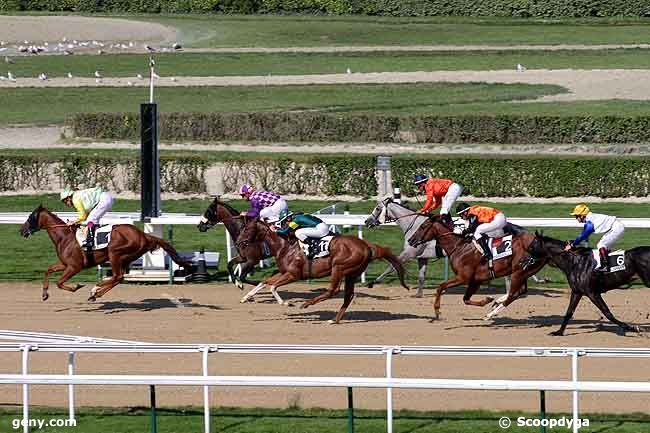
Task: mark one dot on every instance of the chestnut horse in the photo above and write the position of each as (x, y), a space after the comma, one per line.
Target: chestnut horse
(249, 255)
(472, 270)
(126, 245)
(348, 259)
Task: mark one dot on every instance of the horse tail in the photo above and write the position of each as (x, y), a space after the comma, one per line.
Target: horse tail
(384, 253)
(155, 243)
(640, 256)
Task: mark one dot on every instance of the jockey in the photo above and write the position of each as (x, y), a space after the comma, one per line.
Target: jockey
(597, 223)
(308, 228)
(439, 192)
(264, 204)
(483, 221)
(91, 204)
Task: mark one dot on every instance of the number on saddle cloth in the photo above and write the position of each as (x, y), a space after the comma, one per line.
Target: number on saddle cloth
(501, 247)
(616, 260)
(322, 247)
(102, 236)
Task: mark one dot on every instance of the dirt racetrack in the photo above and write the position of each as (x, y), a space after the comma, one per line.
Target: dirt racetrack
(382, 315)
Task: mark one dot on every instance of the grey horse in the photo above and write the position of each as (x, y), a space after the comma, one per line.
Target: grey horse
(408, 221)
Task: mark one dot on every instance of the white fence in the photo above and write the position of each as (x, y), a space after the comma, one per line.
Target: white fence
(388, 382)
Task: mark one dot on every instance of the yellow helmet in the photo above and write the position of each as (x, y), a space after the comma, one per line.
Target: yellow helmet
(581, 209)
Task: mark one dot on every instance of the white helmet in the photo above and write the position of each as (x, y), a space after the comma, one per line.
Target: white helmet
(67, 192)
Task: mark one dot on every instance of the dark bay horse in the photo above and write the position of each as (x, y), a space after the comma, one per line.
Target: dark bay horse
(472, 270)
(249, 255)
(578, 266)
(348, 259)
(126, 245)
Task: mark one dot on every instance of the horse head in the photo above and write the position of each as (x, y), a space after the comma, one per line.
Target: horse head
(432, 228)
(33, 224)
(215, 214)
(378, 214)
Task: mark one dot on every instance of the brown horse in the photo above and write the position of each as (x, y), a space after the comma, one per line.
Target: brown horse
(472, 270)
(249, 255)
(348, 258)
(126, 245)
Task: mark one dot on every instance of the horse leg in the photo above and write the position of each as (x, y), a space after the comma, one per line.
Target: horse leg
(598, 300)
(455, 281)
(118, 269)
(422, 273)
(335, 284)
(381, 277)
(472, 288)
(253, 292)
(248, 266)
(349, 295)
(573, 303)
(278, 281)
(502, 299)
(231, 272)
(68, 273)
(46, 281)
(514, 291)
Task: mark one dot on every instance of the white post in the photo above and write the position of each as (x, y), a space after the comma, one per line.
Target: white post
(228, 252)
(25, 390)
(151, 77)
(574, 376)
(360, 236)
(389, 391)
(71, 387)
(206, 391)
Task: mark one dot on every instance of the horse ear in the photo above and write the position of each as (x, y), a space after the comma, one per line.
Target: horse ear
(536, 234)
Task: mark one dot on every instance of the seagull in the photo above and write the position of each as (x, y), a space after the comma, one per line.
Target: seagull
(520, 67)
(174, 79)
(8, 60)
(97, 74)
(67, 52)
(349, 71)
(149, 48)
(177, 46)
(98, 80)
(69, 75)
(42, 77)
(139, 76)
(100, 52)
(129, 83)
(11, 76)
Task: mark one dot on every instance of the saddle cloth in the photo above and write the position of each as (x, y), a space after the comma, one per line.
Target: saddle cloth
(616, 260)
(500, 247)
(102, 236)
(323, 247)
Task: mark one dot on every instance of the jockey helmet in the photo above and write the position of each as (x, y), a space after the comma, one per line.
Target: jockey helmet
(419, 178)
(246, 189)
(67, 192)
(461, 208)
(580, 210)
(284, 214)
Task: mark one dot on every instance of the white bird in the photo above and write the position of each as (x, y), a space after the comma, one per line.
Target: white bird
(139, 76)
(67, 52)
(174, 79)
(97, 74)
(9, 60)
(177, 46)
(64, 39)
(349, 71)
(131, 44)
(69, 75)
(520, 67)
(42, 77)
(149, 48)
(129, 83)
(98, 80)
(100, 52)
(11, 76)
(22, 49)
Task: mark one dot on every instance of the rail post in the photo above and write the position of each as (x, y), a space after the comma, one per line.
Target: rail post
(154, 420)
(350, 411)
(542, 410)
(574, 377)
(25, 361)
(170, 237)
(389, 391)
(71, 387)
(206, 392)
(228, 252)
(360, 236)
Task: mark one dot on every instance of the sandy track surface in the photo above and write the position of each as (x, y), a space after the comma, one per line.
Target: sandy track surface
(382, 315)
(582, 84)
(34, 29)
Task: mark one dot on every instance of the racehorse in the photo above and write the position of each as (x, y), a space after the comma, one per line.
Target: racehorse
(248, 255)
(472, 270)
(408, 221)
(578, 266)
(127, 243)
(348, 258)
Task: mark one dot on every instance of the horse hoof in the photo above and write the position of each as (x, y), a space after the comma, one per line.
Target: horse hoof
(305, 305)
(45, 296)
(289, 304)
(556, 333)
(92, 299)
(239, 285)
(243, 300)
(332, 322)
(370, 285)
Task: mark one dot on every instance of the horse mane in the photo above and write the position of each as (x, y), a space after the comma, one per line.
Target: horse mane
(230, 209)
(41, 208)
(582, 251)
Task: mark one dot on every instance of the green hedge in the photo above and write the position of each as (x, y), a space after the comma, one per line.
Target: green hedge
(315, 127)
(481, 176)
(501, 8)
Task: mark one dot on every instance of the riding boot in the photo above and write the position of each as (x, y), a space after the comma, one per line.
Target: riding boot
(483, 242)
(312, 248)
(604, 260)
(90, 239)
